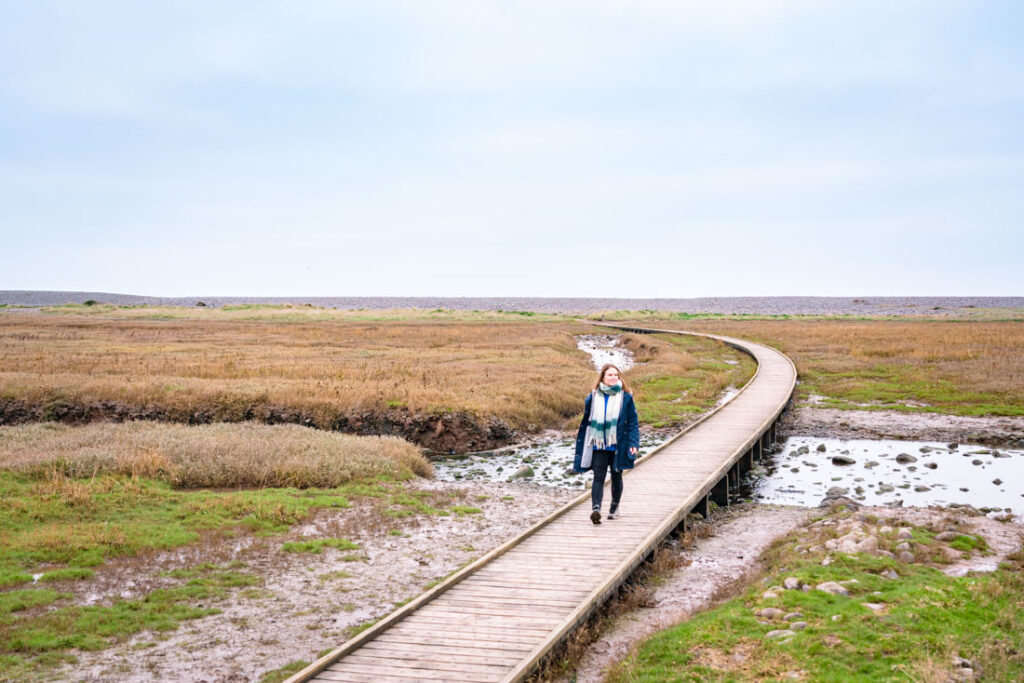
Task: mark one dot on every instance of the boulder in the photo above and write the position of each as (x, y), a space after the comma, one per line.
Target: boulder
(791, 583)
(798, 625)
(905, 557)
(833, 588)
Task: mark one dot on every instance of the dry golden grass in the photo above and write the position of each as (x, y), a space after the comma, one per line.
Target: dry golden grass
(527, 372)
(955, 367)
(205, 456)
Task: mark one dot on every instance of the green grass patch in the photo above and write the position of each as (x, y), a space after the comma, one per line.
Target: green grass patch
(461, 510)
(285, 672)
(31, 641)
(69, 574)
(919, 621)
(316, 546)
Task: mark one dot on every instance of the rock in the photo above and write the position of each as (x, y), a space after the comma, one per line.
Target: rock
(821, 448)
(524, 472)
(931, 465)
(921, 488)
(791, 583)
(886, 553)
(798, 625)
(885, 530)
(794, 470)
(803, 450)
(975, 462)
(997, 481)
(890, 574)
(833, 588)
(869, 546)
(905, 557)
(885, 488)
(875, 607)
(952, 446)
(904, 546)
(904, 458)
(961, 663)
(946, 536)
(870, 463)
(859, 490)
(904, 533)
(791, 616)
(837, 617)
(771, 613)
(769, 595)
(842, 460)
(836, 491)
(780, 633)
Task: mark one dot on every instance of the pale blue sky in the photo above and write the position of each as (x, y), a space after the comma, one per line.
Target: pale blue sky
(642, 149)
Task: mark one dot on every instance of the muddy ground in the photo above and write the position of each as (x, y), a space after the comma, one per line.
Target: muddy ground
(809, 420)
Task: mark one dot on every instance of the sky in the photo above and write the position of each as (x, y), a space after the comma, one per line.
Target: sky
(472, 148)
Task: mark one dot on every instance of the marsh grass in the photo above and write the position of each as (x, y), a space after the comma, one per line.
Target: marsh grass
(245, 455)
(925, 619)
(525, 371)
(953, 367)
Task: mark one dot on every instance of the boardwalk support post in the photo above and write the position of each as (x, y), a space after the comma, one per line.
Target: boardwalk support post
(720, 492)
(701, 507)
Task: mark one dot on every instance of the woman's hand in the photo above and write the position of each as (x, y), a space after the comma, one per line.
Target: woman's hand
(632, 451)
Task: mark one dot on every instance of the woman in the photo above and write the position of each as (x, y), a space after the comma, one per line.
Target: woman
(608, 437)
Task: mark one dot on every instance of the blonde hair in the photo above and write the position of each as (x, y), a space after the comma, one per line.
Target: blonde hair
(604, 369)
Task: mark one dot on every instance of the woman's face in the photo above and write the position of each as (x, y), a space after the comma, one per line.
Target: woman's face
(611, 376)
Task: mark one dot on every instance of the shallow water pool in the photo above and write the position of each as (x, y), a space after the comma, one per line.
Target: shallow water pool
(885, 472)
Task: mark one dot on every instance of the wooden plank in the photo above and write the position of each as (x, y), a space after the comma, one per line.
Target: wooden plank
(343, 669)
(429, 663)
(510, 644)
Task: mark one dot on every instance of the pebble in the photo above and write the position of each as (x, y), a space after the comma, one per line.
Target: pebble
(791, 616)
(833, 588)
(798, 625)
(904, 458)
(791, 583)
(842, 460)
(780, 633)
(931, 465)
(772, 613)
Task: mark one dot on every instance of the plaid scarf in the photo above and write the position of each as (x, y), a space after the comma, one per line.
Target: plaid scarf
(604, 418)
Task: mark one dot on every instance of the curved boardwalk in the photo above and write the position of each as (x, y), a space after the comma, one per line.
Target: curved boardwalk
(497, 618)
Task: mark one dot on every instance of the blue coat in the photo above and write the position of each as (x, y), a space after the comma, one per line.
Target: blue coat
(627, 429)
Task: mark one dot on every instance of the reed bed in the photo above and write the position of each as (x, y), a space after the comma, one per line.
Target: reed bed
(953, 367)
(233, 369)
(527, 372)
(207, 456)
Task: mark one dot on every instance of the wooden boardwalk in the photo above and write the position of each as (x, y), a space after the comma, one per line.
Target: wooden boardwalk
(497, 618)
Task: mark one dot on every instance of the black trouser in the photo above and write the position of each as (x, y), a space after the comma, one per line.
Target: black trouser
(602, 462)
